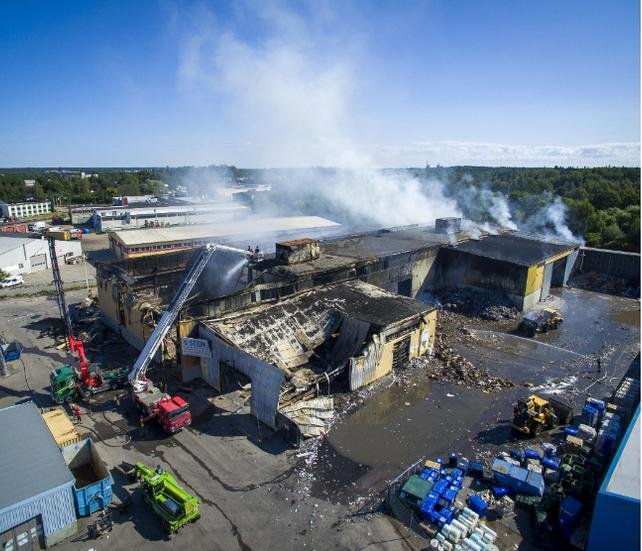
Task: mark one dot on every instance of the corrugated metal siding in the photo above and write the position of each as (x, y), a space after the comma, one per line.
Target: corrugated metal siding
(266, 378)
(546, 283)
(56, 507)
(368, 367)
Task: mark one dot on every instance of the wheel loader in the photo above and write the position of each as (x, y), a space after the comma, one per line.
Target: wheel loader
(540, 321)
(535, 414)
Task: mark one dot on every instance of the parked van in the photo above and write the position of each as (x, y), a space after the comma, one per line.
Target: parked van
(11, 281)
(37, 226)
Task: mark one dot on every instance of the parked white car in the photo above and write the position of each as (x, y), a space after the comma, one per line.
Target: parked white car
(11, 281)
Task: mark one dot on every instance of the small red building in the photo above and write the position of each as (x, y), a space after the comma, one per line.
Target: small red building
(13, 227)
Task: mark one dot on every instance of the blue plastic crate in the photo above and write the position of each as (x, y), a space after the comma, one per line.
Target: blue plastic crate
(478, 505)
(440, 486)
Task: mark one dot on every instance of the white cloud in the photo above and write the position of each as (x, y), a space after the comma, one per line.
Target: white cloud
(494, 154)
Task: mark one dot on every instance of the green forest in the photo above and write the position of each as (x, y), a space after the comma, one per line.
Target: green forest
(603, 204)
(70, 189)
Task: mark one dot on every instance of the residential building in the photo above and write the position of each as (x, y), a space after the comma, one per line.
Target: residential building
(24, 210)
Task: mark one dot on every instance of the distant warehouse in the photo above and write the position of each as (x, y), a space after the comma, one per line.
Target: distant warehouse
(23, 255)
(126, 217)
(135, 243)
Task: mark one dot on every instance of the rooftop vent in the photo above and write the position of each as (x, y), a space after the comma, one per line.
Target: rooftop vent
(297, 250)
(448, 225)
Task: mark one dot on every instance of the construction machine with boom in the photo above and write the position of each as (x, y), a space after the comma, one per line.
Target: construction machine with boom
(168, 500)
(173, 413)
(535, 414)
(68, 383)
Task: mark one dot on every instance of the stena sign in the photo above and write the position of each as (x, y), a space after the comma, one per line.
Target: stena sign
(195, 347)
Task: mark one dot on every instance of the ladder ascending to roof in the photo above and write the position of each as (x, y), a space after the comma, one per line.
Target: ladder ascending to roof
(136, 376)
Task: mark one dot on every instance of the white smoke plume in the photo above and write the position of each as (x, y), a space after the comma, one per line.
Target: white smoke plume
(290, 93)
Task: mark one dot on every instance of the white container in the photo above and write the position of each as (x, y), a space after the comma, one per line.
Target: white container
(468, 512)
(470, 545)
(478, 540)
(486, 530)
(451, 532)
(434, 544)
(463, 529)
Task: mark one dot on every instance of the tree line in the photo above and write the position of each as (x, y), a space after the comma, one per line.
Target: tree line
(69, 188)
(602, 205)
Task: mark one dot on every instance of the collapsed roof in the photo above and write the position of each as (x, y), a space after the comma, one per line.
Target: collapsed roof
(303, 331)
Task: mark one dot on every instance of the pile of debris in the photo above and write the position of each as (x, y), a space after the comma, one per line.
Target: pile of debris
(603, 283)
(456, 369)
(485, 304)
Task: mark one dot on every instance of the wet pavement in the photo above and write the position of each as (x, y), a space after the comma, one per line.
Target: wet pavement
(402, 422)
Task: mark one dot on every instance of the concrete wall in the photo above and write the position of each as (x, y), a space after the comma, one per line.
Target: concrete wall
(618, 264)
(459, 269)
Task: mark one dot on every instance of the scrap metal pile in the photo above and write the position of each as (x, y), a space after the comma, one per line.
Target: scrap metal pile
(484, 304)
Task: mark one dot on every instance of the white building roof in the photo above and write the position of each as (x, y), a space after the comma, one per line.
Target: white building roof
(239, 228)
(151, 211)
(624, 476)
(9, 243)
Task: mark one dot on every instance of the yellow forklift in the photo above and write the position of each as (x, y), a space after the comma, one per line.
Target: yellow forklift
(535, 414)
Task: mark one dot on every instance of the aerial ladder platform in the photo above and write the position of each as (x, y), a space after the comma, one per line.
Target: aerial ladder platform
(172, 413)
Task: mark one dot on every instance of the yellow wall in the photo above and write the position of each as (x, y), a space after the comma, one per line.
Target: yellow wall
(422, 341)
(534, 279)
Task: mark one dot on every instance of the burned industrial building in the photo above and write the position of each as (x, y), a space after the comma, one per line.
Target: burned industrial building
(301, 345)
(343, 308)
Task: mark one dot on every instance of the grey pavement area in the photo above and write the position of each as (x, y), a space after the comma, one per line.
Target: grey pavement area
(73, 275)
(257, 493)
(244, 475)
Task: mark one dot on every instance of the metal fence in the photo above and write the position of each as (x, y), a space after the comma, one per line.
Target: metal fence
(397, 509)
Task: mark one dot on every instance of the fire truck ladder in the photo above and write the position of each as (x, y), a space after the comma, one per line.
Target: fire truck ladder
(136, 376)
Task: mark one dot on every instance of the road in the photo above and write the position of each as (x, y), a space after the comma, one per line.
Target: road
(251, 494)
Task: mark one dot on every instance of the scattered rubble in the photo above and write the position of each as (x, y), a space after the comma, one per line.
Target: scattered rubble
(487, 304)
(602, 283)
(454, 368)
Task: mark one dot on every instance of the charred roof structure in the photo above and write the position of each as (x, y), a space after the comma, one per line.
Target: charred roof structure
(515, 248)
(290, 348)
(519, 265)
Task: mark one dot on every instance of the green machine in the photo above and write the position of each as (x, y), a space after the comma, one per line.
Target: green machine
(67, 384)
(167, 499)
(62, 381)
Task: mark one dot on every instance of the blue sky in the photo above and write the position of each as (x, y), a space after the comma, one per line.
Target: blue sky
(319, 83)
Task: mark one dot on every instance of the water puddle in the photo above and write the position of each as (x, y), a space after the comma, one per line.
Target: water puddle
(629, 317)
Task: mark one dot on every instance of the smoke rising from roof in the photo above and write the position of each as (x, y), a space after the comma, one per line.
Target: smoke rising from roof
(292, 95)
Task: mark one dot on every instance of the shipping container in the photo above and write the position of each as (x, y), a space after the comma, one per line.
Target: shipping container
(61, 427)
(62, 235)
(92, 488)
